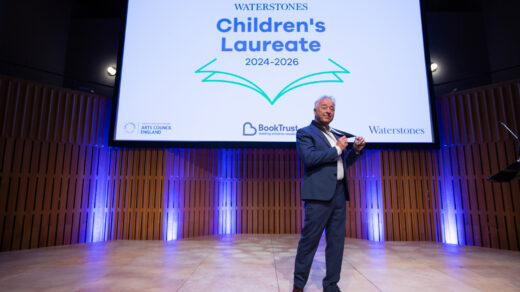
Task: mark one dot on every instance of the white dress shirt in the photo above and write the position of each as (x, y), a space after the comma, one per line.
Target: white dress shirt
(332, 140)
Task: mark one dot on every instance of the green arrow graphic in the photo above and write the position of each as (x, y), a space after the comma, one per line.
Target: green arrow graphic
(293, 85)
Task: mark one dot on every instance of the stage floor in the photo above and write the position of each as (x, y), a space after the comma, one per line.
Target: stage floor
(255, 263)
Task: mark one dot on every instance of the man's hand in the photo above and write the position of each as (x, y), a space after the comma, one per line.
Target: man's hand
(359, 144)
(342, 143)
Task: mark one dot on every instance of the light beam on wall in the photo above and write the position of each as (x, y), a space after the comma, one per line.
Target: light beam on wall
(98, 196)
(375, 227)
(226, 192)
(448, 220)
(225, 209)
(171, 230)
(373, 195)
(173, 190)
(447, 190)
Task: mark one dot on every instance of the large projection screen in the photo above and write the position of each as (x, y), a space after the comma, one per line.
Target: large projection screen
(227, 72)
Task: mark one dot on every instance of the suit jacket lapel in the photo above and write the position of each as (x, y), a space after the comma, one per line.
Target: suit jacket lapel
(318, 132)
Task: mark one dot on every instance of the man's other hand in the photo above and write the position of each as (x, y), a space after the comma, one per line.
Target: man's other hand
(342, 143)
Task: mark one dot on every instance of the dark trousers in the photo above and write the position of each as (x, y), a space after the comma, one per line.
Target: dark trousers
(329, 216)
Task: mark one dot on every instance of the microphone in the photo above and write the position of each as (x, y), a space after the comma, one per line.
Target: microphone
(512, 170)
(511, 132)
(515, 136)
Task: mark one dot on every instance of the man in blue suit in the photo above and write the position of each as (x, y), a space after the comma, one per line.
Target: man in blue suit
(325, 159)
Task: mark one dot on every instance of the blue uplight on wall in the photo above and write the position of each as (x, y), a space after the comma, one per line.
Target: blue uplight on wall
(172, 225)
(373, 196)
(448, 220)
(447, 192)
(98, 197)
(375, 227)
(173, 190)
(226, 192)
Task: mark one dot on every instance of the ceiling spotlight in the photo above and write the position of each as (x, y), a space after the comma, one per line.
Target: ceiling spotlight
(111, 71)
(434, 66)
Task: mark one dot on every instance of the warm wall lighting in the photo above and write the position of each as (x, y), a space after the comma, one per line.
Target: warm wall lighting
(434, 66)
(111, 71)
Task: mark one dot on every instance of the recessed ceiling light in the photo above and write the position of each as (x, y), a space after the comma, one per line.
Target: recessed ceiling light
(111, 71)
(434, 66)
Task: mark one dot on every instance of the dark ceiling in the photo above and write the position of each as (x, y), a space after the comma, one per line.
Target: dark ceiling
(70, 43)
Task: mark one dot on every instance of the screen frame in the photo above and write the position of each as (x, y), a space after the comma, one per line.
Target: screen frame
(283, 145)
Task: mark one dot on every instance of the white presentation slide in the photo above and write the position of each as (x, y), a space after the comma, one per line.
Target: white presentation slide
(242, 71)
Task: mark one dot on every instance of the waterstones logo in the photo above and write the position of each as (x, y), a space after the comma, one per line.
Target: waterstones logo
(378, 130)
(301, 6)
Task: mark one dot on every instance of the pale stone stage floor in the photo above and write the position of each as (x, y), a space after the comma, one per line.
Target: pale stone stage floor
(255, 263)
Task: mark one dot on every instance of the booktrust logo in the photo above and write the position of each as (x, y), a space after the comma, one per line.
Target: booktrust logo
(248, 129)
(271, 129)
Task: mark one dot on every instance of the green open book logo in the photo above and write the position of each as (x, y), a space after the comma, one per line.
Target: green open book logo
(319, 77)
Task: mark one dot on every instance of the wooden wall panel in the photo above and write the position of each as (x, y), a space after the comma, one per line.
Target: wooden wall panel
(135, 193)
(364, 210)
(444, 195)
(475, 146)
(61, 184)
(221, 191)
(49, 170)
(410, 180)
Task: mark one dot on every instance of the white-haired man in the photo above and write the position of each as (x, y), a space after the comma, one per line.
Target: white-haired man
(326, 158)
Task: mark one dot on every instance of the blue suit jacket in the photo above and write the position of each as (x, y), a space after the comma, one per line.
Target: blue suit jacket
(320, 163)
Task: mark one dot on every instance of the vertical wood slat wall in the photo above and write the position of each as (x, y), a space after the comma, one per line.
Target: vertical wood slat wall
(133, 194)
(222, 191)
(61, 184)
(410, 195)
(364, 210)
(473, 210)
(50, 152)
